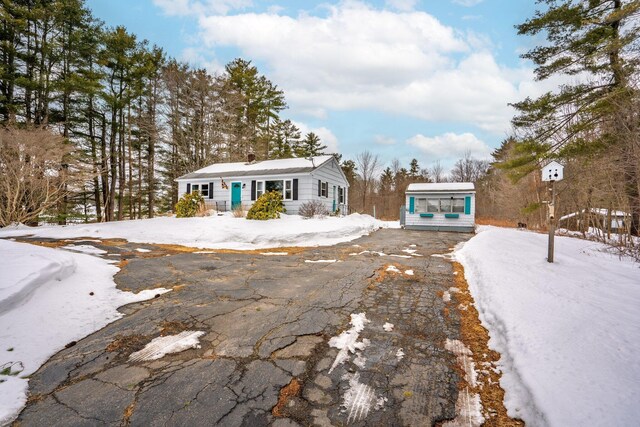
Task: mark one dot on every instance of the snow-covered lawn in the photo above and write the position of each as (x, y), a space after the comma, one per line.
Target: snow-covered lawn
(217, 232)
(45, 303)
(568, 332)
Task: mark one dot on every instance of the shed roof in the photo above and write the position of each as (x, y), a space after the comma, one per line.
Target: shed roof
(265, 167)
(440, 187)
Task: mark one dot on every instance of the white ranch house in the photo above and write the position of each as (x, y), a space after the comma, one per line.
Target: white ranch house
(225, 186)
(444, 206)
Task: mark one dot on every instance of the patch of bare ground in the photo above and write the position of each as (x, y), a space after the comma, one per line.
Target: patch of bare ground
(172, 328)
(286, 393)
(128, 343)
(476, 337)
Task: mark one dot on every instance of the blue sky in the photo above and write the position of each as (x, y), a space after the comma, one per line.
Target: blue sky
(425, 79)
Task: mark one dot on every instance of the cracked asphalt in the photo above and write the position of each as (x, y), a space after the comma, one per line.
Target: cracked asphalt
(267, 322)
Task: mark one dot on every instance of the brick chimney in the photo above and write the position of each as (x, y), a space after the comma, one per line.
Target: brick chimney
(251, 157)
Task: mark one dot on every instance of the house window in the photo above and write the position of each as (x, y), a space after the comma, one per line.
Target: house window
(325, 190)
(194, 188)
(205, 190)
(259, 188)
(287, 190)
(283, 186)
(341, 195)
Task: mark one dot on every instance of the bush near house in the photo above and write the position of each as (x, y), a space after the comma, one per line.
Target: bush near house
(189, 205)
(268, 206)
(312, 208)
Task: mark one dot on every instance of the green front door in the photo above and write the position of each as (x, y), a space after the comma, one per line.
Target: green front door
(236, 194)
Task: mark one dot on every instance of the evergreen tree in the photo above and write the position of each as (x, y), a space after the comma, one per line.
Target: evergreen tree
(597, 41)
(310, 146)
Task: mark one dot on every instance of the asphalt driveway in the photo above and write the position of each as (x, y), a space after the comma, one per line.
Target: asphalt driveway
(264, 356)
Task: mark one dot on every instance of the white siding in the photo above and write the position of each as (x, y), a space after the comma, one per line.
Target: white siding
(439, 220)
(332, 173)
(307, 187)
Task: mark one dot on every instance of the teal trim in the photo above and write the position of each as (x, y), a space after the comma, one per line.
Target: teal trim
(236, 194)
(451, 215)
(426, 215)
(334, 206)
(461, 228)
(412, 204)
(467, 205)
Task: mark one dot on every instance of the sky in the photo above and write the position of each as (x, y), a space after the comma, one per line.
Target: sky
(424, 79)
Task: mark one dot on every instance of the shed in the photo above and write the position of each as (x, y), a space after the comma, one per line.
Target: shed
(225, 186)
(443, 206)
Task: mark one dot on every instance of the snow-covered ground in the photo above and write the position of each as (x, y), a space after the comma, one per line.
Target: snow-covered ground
(45, 303)
(216, 232)
(568, 332)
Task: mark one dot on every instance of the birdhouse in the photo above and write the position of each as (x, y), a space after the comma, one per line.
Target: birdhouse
(552, 172)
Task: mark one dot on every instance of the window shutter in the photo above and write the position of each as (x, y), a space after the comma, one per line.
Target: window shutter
(211, 190)
(319, 188)
(467, 205)
(412, 204)
(253, 190)
(295, 189)
(188, 188)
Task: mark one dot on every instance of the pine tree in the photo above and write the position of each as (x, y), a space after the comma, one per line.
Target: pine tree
(310, 146)
(596, 41)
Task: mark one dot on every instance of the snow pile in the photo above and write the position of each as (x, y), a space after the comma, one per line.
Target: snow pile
(218, 232)
(388, 327)
(568, 331)
(46, 304)
(161, 346)
(347, 341)
(358, 398)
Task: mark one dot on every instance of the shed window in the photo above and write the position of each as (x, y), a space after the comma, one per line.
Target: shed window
(457, 205)
(445, 205)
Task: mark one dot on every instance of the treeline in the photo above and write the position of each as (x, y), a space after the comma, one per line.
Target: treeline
(132, 118)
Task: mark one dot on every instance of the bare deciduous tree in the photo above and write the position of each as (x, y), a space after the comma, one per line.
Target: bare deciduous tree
(368, 166)
(32, 178)
(437, 172)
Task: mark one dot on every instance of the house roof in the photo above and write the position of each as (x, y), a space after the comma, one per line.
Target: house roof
(440, 187)
(265, 167)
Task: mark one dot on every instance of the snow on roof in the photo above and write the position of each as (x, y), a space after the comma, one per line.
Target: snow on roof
(265, 167)
(597, 211)
(441, 186)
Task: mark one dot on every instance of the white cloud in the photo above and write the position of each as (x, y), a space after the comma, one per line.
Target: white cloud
(401, 5)
(204, 7)
(466, 3)
(383, 140)
(450, 146)
(196, 58)
(326, 136)
(357, 57)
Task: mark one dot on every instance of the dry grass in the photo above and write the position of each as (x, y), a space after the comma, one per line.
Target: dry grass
(123, 263)
(129, 343)
(128, 412)
(286, 393)
(239, 211)
(497, 222)
(172, 328)
(476, 337)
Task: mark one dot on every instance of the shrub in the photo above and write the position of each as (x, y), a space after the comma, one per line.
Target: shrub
(238, 211)
(189, 205)
(312, 208)
(268, 206)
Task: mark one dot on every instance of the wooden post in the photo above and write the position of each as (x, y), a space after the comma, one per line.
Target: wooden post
(552, 227)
